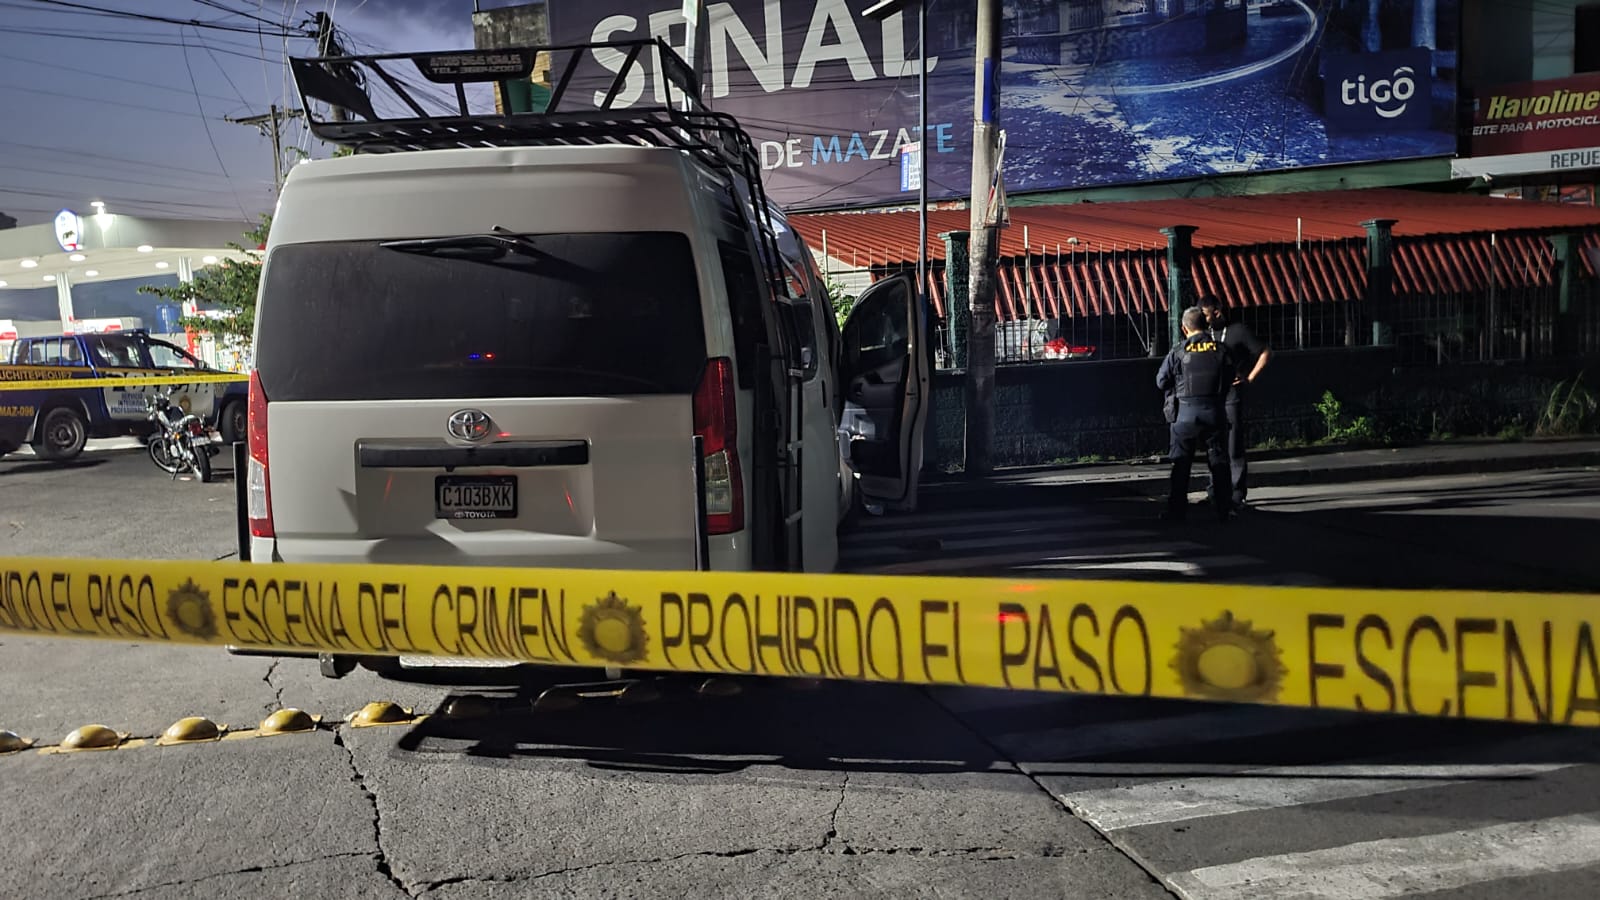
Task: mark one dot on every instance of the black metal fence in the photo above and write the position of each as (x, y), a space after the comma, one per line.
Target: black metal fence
(1455, 299)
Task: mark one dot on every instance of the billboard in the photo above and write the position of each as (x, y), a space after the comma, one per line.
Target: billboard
(1534, 126)
(1093, 92)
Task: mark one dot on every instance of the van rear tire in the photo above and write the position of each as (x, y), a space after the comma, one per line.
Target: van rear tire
(63, 434)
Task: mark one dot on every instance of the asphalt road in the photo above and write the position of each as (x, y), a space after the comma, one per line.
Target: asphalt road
(784, 791)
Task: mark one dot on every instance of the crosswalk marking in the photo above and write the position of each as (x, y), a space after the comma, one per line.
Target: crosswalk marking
(1396, 867)
(1046, 542)
(1189, 567)
(1163, 802)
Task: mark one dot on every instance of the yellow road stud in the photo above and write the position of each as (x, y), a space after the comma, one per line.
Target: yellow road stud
(468, 706)
(11, 743)
(719, 687)
(92, 737)
(191, 730)
(380, 712)
(287, 721)
(639, 692)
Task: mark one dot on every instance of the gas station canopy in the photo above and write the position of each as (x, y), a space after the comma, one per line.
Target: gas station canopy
(106, 246)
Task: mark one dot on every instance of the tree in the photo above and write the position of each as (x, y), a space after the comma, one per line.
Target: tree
(229, 286)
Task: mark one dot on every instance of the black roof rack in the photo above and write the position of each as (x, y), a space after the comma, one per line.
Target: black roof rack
(373, 106)
(373, 103)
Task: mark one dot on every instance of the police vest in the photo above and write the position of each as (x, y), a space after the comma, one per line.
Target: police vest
(1203, 371)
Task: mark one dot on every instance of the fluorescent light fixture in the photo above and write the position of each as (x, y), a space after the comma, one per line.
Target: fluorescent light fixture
(208, 260)
(92, 273)
(49, 278)
(144, 248)
(2, 284)
(162, 264)
(29, 263)
(98, 205)
(77, 257)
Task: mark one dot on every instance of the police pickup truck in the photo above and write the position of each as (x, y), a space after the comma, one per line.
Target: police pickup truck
(58, 422)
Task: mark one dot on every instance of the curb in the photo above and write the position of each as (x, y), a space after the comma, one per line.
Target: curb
(967, 495)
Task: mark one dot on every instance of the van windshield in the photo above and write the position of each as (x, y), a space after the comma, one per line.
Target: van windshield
(563, 315)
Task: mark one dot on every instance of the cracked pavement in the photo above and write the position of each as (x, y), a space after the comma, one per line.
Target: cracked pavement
(690, 796)
(850, 791)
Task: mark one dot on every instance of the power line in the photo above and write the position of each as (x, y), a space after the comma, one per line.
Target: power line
(81, 175)
(207, 123)
(7, 189)
(117, 78)
(271, 126)
(120, 40)
(124, 104)
(243, 14)
(55, 152)
(147, 17)
(225, 76)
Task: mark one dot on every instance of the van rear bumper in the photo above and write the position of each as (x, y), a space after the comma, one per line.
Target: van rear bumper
(728, 553)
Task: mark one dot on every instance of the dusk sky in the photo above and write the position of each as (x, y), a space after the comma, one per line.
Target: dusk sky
(100, 105)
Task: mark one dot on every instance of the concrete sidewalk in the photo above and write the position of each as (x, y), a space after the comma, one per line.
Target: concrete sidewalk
(1276, 468)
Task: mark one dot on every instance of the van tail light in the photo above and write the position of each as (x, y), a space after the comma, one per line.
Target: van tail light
(716, 423)
(258, 486)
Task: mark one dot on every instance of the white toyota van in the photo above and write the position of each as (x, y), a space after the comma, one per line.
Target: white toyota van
(526, 348)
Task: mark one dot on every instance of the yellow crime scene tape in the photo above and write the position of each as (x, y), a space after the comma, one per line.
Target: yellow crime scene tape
(11, 380)
(1479, 655)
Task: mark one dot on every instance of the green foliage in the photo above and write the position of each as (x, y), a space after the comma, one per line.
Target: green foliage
(841, 301)
(229, 286)
(1340, 428)
(1570, 409)
(1088, 459)
(1331, 410)
(1277, 443)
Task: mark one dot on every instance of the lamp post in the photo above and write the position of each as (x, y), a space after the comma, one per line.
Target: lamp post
(878, 12)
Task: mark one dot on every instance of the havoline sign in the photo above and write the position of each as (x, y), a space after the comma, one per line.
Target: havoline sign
(1558, 114)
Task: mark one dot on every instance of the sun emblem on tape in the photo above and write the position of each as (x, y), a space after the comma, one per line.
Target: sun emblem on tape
(189, 608)
(613, 630)
(1226, 659)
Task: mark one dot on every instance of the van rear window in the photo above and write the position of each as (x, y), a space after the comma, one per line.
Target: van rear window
(495, 315)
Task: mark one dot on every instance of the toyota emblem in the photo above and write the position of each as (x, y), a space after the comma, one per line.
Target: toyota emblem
(468, 425)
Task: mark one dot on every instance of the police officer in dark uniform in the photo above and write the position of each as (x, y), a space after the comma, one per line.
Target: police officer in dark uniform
(1249, 355)
(1199, 373)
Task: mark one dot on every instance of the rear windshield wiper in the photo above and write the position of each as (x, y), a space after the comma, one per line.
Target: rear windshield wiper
(500, 241)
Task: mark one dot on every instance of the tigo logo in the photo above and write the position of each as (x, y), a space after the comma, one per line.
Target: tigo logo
(1389, 92)
(1387, 96)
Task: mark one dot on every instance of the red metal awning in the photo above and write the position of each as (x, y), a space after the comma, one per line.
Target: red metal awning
(1089, 259)
(885, 238)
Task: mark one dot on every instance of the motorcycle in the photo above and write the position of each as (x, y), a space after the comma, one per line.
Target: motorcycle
(180, 441)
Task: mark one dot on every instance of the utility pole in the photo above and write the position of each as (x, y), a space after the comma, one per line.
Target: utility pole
(328, 45)
(270, 125)
(979, 385)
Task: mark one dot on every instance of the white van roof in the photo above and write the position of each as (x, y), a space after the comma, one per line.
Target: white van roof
(589, 188)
